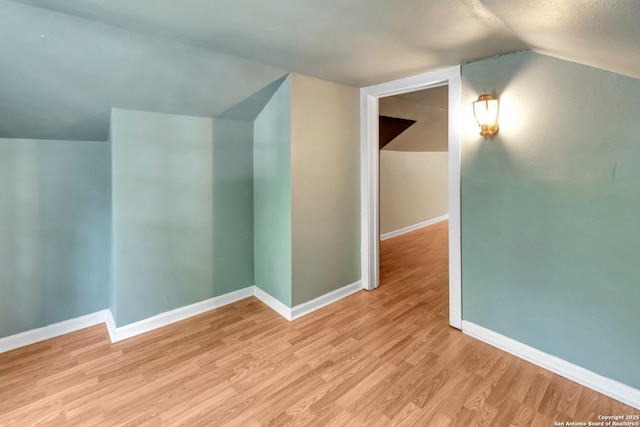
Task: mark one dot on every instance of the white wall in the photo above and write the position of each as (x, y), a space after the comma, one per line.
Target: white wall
(413, 188)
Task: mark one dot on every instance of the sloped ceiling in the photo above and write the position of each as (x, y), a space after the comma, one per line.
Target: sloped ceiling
(390, 127)
(66, 63)
(429, 109)
(61, 75)
(600, 33)
(362, 42)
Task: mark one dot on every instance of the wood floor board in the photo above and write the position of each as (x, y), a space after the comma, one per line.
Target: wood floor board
(506, 412)
(483, 390)
(587, 404)
(380, 358)
(551, 397)
(503, 388)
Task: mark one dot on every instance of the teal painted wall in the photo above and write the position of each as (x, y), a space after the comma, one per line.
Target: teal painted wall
(550, 210)
(232, 205)
(272, 196)
(66, 73)
(181, 190)
(162, 191)
(55, 225)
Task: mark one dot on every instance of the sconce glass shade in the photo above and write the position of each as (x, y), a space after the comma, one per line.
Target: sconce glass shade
(486, 111)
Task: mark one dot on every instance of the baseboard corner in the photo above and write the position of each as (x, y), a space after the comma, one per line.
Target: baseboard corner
(273, 303)
(181, 313)
(53, 330)
(322, 301)
(121, 333)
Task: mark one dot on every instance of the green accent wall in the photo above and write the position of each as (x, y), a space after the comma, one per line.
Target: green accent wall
(182, 203)
(177, 209)
(67, 72)
(55, 226)
(550, 209)
(232, 205)
(272, 196)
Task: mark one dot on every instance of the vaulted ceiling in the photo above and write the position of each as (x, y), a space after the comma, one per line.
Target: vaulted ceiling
(66, 63)
(429, 110)
(362, 42)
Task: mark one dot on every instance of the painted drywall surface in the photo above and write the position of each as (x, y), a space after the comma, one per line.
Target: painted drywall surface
(272, 196)
(66, 74)
(162, 192)
(360, 42)
(55, 220)
(325, 186)
(413, 188)
(431, 130)
(112, 288)
(550, 211)
(232, 205)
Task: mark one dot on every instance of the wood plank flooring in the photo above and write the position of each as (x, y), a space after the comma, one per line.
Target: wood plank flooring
(378, 358)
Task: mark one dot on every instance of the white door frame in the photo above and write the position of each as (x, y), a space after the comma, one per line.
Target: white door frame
(369, 183)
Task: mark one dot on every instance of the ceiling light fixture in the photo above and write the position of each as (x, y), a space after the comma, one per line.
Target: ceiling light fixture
(486, 111)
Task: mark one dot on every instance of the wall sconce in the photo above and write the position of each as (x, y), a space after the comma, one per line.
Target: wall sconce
(486, 111)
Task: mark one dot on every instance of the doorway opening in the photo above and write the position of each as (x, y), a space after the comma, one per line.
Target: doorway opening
(370, 167)
(413, 183)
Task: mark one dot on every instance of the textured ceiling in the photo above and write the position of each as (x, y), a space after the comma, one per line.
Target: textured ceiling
(61, 75)
(362, 42)
(66, 63)
(601, 33)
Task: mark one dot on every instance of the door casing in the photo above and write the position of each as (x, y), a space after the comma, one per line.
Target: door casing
(369, 177)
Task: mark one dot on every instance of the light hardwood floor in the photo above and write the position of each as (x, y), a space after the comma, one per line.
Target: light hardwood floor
(377, 358)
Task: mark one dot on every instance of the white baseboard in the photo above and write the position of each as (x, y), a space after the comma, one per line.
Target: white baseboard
(169, 317)
(163, 319)
(307, 307)
(118, 334)
(614, 389)
(280, 308)
(51, 331)
(324, 300)
(404, 230)
(110, 323)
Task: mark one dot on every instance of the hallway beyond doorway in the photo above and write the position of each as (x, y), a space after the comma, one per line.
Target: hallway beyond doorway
(419, 257)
